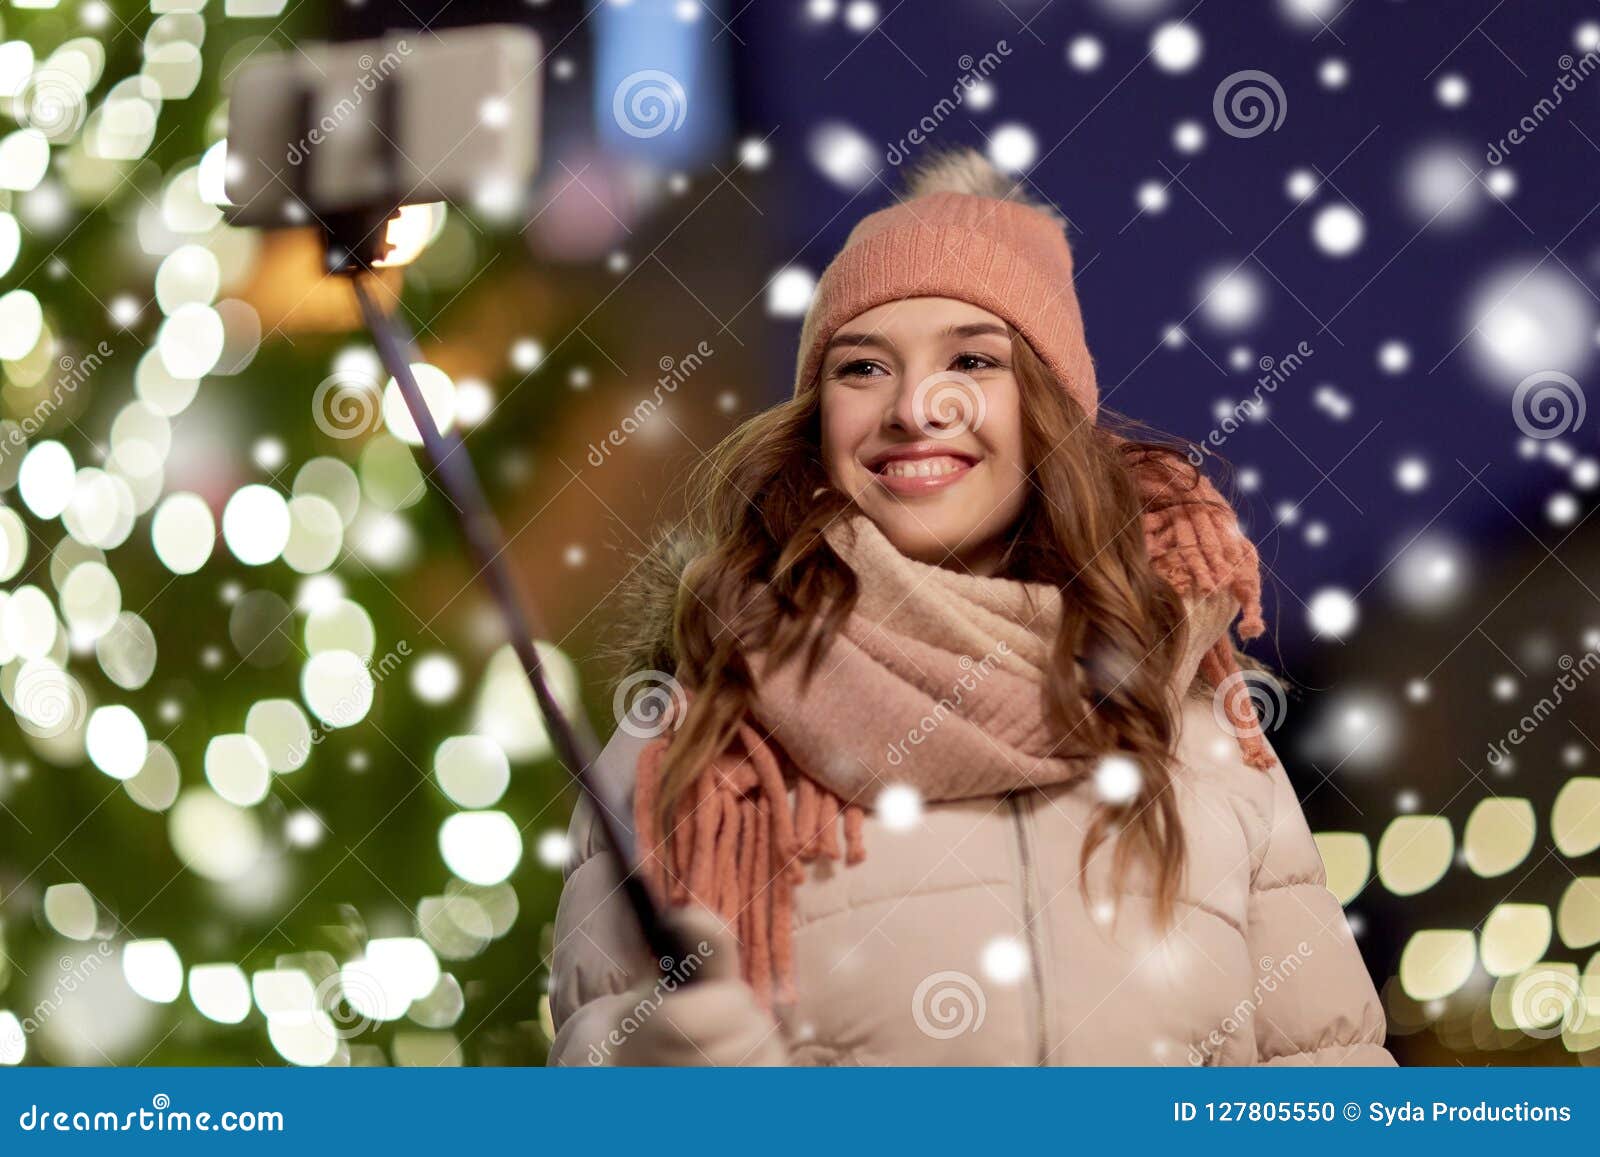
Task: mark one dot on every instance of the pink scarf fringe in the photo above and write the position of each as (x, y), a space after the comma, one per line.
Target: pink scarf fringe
(1193, 538)
(739, 847)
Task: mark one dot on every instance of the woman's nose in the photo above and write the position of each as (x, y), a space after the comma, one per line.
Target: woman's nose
(937, 404)
(901, 411)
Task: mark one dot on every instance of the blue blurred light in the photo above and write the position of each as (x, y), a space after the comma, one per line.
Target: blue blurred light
(661, 81)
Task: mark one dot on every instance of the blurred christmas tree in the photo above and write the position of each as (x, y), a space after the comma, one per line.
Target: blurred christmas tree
(256, 800)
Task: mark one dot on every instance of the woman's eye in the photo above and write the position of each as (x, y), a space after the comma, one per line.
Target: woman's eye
(861, 369)
(967, 363)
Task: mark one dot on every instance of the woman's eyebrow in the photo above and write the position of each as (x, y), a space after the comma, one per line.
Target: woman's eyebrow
(859, 339)
(975, 329)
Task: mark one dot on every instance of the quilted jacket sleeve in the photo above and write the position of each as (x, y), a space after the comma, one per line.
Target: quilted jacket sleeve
(1317, 1004)
(597, 955)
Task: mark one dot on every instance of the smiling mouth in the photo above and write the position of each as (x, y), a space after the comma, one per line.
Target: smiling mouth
(920, 473)
(922, 467)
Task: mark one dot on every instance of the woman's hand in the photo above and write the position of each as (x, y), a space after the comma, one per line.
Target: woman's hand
(711, 1018)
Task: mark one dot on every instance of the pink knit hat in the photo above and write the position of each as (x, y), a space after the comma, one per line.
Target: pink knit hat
(961, 233)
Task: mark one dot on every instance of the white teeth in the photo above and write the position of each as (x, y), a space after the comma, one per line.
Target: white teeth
(922, 467)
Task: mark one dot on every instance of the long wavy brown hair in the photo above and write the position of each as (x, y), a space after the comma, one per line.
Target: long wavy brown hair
(750, 570)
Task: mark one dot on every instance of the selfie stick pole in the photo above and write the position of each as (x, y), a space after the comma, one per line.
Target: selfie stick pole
(572, 737)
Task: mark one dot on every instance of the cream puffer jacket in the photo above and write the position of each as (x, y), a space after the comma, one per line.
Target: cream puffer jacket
(965, 940)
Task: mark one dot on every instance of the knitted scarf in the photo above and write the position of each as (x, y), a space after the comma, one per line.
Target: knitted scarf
(935, 681)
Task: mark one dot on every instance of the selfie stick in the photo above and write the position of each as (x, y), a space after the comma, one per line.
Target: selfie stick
(349, 254)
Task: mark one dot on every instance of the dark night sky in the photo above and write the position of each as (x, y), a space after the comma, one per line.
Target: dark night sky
(1103, 133)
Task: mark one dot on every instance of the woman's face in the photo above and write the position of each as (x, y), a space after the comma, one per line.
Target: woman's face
(922, 427)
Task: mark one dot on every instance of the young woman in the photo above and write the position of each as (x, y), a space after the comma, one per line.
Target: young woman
(960, 767)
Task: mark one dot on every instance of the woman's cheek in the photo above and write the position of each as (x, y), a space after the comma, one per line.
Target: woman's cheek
(835, 462)
(1011, 482)
(843, 472)
(838, 442)
(832, 462)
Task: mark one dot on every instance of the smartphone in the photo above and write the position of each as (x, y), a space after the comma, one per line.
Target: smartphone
(375, 124)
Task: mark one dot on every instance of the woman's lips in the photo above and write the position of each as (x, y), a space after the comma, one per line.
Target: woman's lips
(923, 475)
